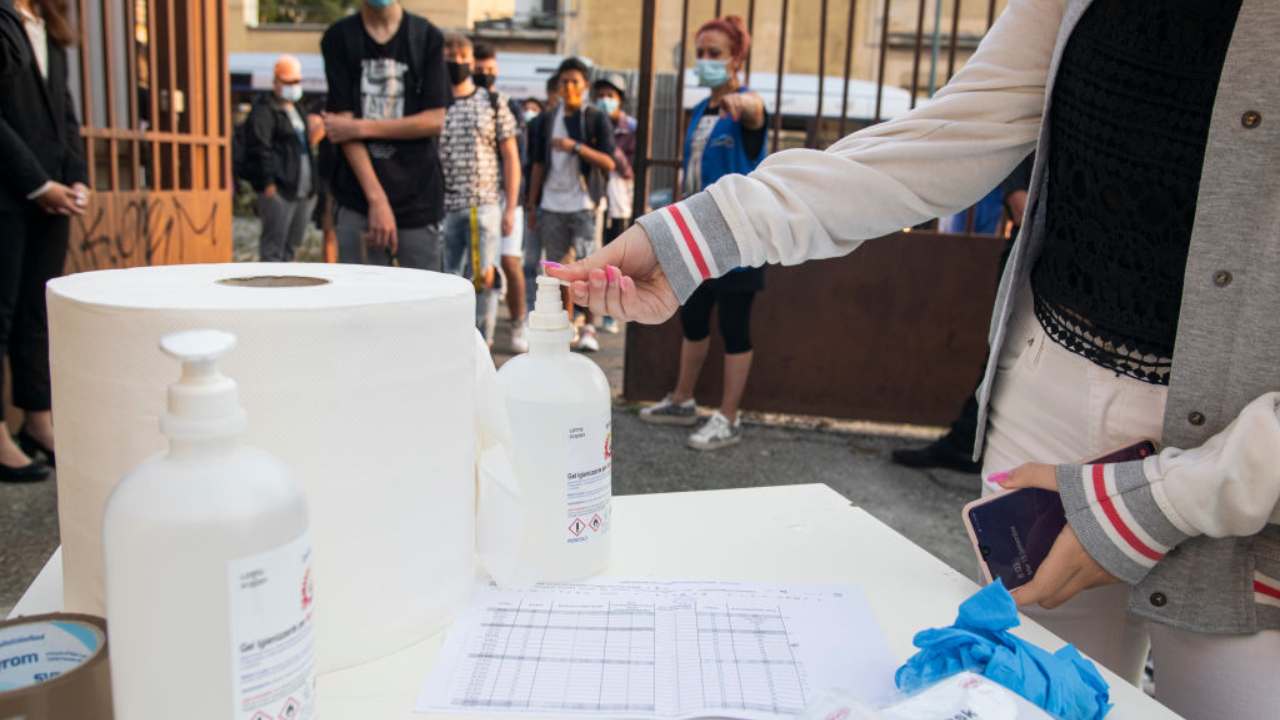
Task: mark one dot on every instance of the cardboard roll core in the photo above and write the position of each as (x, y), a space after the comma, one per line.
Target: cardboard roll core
(274, 281)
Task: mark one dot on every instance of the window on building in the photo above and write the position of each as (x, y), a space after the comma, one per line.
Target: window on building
(303, 11)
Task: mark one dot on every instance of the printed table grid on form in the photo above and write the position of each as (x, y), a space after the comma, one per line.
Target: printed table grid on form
(589, 657)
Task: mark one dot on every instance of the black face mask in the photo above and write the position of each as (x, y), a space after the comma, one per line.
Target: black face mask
(484, 80)
(458, 71)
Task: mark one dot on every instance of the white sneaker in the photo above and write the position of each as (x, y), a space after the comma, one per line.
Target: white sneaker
(717, 433)
(519, 344)
(611, 326)
(669, 412)
(587, 341)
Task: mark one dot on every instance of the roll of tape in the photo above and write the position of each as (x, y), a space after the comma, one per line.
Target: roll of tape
(54, 667)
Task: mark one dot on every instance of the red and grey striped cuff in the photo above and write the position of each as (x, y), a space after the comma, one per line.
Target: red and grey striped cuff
(692, 241)
(1266, 590)
(1116, 516)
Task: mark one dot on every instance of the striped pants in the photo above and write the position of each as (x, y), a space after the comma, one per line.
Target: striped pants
(1052, 406)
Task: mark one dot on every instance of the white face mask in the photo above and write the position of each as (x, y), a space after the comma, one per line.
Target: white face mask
(291, 93)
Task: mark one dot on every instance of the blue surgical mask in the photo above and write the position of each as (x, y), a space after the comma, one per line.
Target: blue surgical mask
(712, 73)
(529, 115)
(607, 105)
(379, 3)
(291, 93)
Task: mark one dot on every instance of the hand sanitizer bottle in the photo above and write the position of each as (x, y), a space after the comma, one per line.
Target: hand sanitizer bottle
(560, 410)
(210, 597)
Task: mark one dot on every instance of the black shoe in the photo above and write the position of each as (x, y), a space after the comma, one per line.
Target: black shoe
(939, 454)
(29, 473)
(31, 446)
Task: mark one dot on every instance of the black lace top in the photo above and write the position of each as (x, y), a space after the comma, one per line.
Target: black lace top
(1128, 125)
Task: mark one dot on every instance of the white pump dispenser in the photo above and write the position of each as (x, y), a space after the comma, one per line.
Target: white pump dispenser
(208, 563)
(560, 410)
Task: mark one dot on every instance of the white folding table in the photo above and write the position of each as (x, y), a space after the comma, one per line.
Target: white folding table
(786, 534)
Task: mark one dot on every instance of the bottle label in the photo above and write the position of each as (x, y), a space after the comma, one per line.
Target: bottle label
(589, 479)
(273, 668)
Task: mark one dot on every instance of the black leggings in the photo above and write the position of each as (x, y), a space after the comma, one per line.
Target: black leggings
(735, 316)
(32, 253)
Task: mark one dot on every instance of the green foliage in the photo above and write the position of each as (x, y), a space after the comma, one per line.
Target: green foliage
(303, 11)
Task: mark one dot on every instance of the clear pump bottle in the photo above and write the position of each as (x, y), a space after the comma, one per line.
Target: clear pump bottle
(210, 598)
(560, 410)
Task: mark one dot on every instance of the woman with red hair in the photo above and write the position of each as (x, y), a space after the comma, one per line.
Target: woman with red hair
(726, 135)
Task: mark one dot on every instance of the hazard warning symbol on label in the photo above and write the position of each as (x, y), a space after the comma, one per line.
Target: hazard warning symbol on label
(596, 523)
(291, 710)
(577, 527)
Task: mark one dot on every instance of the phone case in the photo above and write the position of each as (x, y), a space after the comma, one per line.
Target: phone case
(1137, 451)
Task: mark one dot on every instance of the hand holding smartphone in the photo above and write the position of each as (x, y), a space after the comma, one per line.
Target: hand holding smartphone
(1012, 532)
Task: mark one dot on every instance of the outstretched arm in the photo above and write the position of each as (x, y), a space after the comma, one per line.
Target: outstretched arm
(807, 204)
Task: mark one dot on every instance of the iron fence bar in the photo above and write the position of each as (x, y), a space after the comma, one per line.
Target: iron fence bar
(884, 50)
(915, 61)
(848, 65)
(955, 34)
(680, 119)
(777, 91)
(131, 65)
(815, 129)
(751, 30)
(644, 110)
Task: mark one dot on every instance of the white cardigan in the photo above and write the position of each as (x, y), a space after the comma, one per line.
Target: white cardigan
(942, 157)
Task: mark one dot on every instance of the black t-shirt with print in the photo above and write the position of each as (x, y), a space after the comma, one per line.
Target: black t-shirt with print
(381, 82)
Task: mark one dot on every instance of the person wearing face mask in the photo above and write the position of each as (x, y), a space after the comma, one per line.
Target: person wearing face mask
(481, 170)
(609, 94)
(726, 135)
(486, 77)
(279, 164)
(388, 90)
(572, 158)
(530, 109)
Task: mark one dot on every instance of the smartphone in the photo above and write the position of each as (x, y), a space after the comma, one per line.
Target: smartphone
(1012, 532)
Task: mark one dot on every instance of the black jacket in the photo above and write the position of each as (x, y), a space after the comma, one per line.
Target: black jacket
(13, 44)
(273, 153)
(39, 132)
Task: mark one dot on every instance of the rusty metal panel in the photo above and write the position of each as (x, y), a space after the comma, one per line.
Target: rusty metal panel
(894, 332)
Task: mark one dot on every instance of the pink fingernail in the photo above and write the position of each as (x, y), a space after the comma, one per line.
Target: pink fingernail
(612, 273)
(552, 264)
(999, 478)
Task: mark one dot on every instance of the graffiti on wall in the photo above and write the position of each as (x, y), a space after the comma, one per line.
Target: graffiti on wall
(122, 230)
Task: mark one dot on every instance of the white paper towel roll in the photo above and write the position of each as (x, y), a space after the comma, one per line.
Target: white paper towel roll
(362, 379)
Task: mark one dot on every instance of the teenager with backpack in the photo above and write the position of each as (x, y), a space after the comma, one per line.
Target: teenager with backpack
(479, 135)
(572, 157)
(388, 91)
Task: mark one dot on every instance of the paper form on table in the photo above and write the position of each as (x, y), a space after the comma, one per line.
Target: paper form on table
(659, 649)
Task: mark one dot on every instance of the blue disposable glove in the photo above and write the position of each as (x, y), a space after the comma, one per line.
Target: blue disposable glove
(1064, 683)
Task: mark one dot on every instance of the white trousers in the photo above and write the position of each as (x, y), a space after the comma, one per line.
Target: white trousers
(1052, 406)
